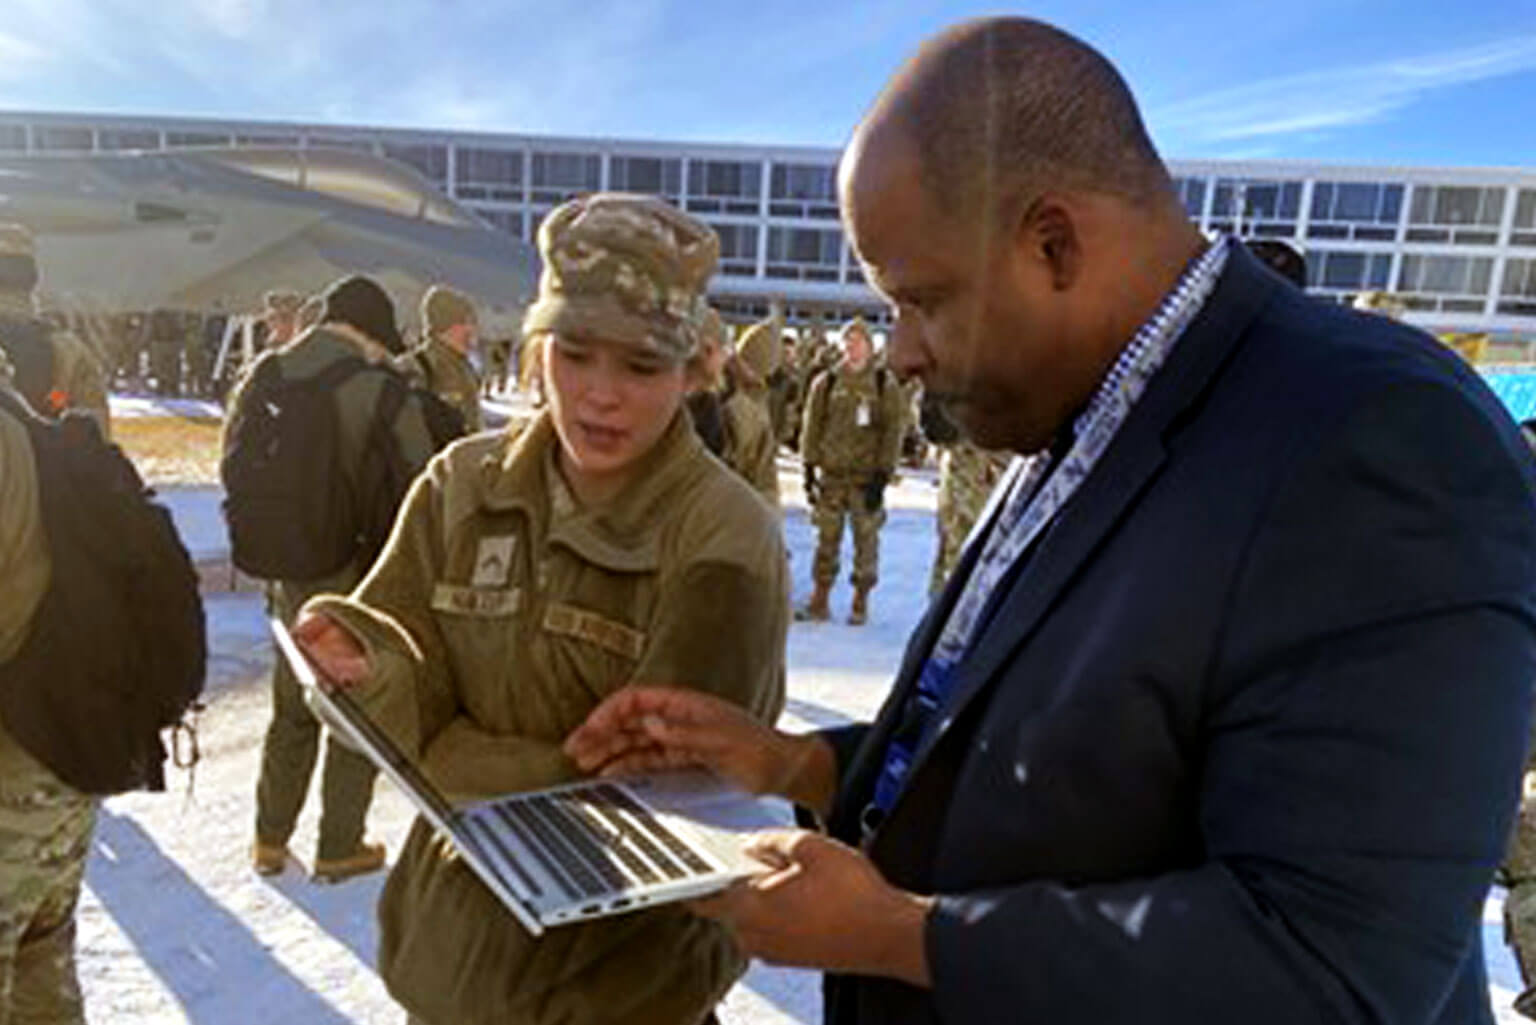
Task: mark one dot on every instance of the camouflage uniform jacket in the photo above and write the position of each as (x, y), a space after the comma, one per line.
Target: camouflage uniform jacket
(438, 367)
(79, 380)
(498, 617)
(853, 423)
(751, 449)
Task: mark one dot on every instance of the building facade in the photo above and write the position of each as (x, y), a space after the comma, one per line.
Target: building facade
(1458, 245)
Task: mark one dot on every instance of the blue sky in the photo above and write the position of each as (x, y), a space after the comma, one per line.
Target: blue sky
(1408, 81)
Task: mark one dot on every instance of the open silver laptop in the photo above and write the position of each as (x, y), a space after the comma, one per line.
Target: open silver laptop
(578, 851)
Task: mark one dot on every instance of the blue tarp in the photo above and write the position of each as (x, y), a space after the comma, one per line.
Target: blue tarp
(1516, 389)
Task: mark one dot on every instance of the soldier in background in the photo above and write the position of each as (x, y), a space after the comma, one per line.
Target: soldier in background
(498, 365)
(784, 392)
(45, 824)
(1518, 871)
(967, 475)
(850, 439)
(280, 317)
(444, 362)
(1384, 304)
(54, 370)
(165, 344)
(732, 424)
(1282, 258)
(196, 361)
(358, 321)
(756, 357)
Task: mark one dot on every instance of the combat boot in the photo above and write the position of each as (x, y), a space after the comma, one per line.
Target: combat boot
(859, 613)
(369, 857)
(816, 610)
(268, 859)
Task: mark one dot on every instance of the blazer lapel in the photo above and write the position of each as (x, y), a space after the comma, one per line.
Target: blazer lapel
(1109, 491)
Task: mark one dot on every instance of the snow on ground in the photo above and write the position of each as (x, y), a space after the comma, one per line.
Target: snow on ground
(175, 929)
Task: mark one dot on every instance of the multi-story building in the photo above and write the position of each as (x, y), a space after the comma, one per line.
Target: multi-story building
(1457, 245)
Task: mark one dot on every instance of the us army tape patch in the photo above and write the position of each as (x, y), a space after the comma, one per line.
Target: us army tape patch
(569, 621)
(476, 601)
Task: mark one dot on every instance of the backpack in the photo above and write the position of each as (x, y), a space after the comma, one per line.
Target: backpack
(385, 476)
(295, 510)
(28, 343)
(116, 650)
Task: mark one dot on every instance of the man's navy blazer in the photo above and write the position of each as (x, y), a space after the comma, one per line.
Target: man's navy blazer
(1242, 740)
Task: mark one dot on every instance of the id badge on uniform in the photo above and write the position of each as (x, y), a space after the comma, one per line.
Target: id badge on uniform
(861, 416)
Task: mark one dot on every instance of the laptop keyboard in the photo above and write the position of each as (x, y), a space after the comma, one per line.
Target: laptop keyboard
(596, 840)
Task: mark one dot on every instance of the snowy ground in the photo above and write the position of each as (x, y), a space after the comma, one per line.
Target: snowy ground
(175, 928)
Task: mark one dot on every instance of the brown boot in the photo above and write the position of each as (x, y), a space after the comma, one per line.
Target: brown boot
(860, 610)
(369, 857)
(816, 610)
(268, 859)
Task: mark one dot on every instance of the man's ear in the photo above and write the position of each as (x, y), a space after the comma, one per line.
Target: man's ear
(1048, 231)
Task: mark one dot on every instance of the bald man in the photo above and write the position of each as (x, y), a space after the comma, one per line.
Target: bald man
(1220, 717)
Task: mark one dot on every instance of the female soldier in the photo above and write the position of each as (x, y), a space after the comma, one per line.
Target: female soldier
(533, 573)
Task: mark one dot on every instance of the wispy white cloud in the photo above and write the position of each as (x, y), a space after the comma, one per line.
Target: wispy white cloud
(19, 57)
(1335, 98)
(234, 19)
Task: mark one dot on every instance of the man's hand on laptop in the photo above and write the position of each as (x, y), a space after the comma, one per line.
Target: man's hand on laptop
(337, 655)
(823, 905)
(644, 729)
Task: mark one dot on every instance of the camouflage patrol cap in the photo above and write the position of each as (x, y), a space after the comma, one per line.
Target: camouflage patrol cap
(856, 324)
(627, 269)
(442, 307)
(759, 348)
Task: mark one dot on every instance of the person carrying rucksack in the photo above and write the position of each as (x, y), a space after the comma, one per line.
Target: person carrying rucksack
(85, 556)
(447, 362)
(850, 439)
(322, 439)
(52, 369)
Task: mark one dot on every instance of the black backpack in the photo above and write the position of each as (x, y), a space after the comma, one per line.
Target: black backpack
(116, 650)
(385, 476)
(28, 343)
(295, 511)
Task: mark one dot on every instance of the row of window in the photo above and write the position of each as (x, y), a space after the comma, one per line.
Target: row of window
(1361, 211)
(1428, 281)
(714, 186)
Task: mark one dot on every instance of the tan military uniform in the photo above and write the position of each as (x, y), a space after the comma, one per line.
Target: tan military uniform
(79, 379)
(292, 741)
(751, 449)
(45, 825)
(967, 475)
(850, 433)
(437, 367)
(501, 614)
